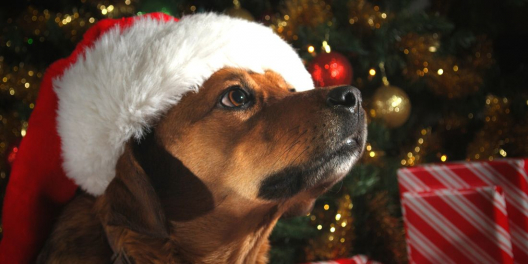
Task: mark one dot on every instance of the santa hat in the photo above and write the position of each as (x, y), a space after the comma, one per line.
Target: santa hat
(119, 80)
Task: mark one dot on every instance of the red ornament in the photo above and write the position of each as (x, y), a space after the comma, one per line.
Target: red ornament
(328, 69)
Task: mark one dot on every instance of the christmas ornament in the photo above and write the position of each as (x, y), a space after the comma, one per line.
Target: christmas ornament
(392, 105)
(328, 69)
(239, 12)
(71, 144)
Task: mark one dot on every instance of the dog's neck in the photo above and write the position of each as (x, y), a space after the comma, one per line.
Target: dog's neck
(227, 234)
(202, 227)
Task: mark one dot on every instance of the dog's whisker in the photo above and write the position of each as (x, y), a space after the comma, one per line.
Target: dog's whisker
(340, 187)
(302, 152)
(287, 151)
(288, 131)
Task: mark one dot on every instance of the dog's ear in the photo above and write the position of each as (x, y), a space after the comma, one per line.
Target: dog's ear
(131, 199)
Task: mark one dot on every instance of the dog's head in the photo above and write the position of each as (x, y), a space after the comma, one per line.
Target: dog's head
(245, 141)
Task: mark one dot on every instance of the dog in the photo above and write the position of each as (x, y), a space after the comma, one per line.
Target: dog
(210, 180)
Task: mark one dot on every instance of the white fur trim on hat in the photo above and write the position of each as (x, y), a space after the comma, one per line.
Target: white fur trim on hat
(131, 76)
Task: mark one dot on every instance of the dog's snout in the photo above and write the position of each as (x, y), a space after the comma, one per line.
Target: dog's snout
(346, 96)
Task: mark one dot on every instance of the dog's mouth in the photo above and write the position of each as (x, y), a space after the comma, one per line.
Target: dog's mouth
(332, 167)
(316, 175)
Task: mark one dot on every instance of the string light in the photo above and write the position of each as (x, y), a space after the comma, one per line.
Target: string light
(326, 47)
(501, 135)
(414, 157)
(336, 230)
(422, 60)
(363, 13)
(337, 217)
(503, 153)
(301, 13)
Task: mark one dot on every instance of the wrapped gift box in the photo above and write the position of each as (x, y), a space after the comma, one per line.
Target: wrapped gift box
(457, 226)
(455, 185)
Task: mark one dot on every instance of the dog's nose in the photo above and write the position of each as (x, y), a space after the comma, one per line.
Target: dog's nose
(346, 96)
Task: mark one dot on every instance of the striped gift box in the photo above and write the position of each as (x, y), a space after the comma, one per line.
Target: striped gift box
(457, 226)
(444, 192)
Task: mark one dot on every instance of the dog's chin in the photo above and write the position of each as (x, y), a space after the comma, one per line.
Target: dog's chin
(332, 168)
(317, 175)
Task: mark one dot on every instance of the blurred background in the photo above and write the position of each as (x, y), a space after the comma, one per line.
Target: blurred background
(442, 81)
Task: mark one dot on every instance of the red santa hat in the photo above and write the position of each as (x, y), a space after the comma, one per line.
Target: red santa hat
(120, 78)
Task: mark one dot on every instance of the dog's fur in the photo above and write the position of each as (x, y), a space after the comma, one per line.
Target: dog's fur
(208, 183)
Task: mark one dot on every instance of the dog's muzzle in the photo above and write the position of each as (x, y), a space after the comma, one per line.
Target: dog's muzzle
(337, 142)
(346, 103)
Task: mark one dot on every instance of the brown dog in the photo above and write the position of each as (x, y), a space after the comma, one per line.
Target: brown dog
(209, 182)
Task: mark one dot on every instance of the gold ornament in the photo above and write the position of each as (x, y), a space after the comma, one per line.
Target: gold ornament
(239, 12)
(392, 105)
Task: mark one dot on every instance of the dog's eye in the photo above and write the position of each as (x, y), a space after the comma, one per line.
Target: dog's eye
(235, 97)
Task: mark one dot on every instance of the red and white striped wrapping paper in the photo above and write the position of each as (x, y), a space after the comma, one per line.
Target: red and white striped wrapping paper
(357, 259)
(453, 183)
(457, 226)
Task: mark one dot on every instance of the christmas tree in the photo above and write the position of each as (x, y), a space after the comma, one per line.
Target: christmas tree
(441, 81)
